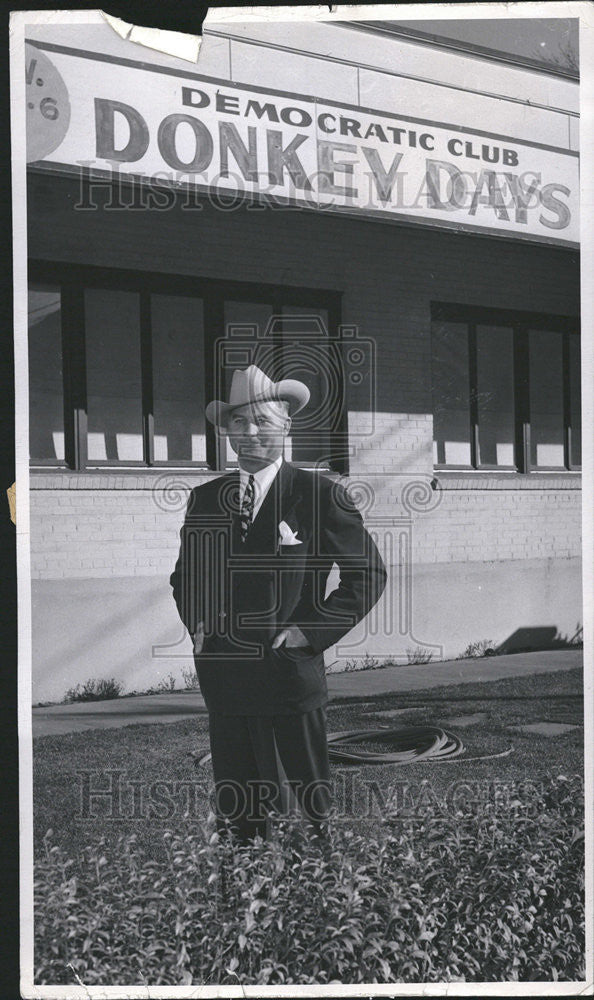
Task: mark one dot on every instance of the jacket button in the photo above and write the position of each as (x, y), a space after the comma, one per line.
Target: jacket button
(222, 614)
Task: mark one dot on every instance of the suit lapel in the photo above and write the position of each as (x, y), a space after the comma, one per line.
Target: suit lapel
(228, 501)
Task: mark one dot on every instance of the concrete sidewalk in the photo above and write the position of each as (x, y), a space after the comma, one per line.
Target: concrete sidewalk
(54, 720)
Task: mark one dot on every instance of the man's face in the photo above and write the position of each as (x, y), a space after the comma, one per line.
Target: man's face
(257, 432)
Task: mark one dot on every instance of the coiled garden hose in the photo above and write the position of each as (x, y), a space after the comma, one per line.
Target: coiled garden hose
(403, 746)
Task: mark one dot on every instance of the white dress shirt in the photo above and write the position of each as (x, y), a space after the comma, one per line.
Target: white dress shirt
(263, 480)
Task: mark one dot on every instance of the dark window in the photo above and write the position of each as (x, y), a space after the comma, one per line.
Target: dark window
(143, 354)
(451, 397)
(575, 402)
(546, 400)
(46, 393)
(287, 340)
(114, 389)
(506, 390)
(177, 326)
(246, 324)
(495, 395)
(306, 357)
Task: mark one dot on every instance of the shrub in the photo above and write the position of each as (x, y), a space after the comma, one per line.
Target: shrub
(94, 690)
(367, 662)
(167, 683)
(489, 894)
(190, 678)
(416, 654)
(484, 647)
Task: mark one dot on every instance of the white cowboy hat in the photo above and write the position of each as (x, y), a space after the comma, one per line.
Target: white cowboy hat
(253, 386)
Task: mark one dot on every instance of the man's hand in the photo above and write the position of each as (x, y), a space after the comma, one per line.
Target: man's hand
(290, 637)
(198, 638)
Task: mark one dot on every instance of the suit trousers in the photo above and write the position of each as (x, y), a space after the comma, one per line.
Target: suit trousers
(269, 764)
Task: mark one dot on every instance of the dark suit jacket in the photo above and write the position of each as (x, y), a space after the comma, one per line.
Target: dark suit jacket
(246, 593)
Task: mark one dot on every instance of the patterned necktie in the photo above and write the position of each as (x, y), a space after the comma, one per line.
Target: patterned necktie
(247, 508)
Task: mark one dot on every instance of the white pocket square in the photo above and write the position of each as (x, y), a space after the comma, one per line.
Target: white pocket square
(287, 537)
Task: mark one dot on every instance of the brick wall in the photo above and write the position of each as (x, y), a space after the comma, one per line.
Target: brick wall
(104, 532)
(481, 526)
(134, 532)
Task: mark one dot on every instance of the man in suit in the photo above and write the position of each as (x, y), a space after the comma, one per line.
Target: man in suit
(256, 550)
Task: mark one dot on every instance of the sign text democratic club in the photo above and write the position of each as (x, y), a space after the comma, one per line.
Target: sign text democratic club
(458, 172)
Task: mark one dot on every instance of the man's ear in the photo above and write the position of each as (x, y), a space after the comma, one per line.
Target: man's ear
(288, 423)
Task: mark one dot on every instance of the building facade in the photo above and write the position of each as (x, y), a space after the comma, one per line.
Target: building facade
(389, 219)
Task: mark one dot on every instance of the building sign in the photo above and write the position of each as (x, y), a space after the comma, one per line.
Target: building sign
(169, 129)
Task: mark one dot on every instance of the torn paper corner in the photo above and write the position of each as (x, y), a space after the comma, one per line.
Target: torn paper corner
(184, 46)
(172, 43)
(11, 494)
(122, 27)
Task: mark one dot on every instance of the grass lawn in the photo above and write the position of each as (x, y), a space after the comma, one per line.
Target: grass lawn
(468, 870)
(159, 787)
(502, 705)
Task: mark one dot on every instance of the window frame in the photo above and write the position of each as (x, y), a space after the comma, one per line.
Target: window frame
(520, 323)
(72, 281)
